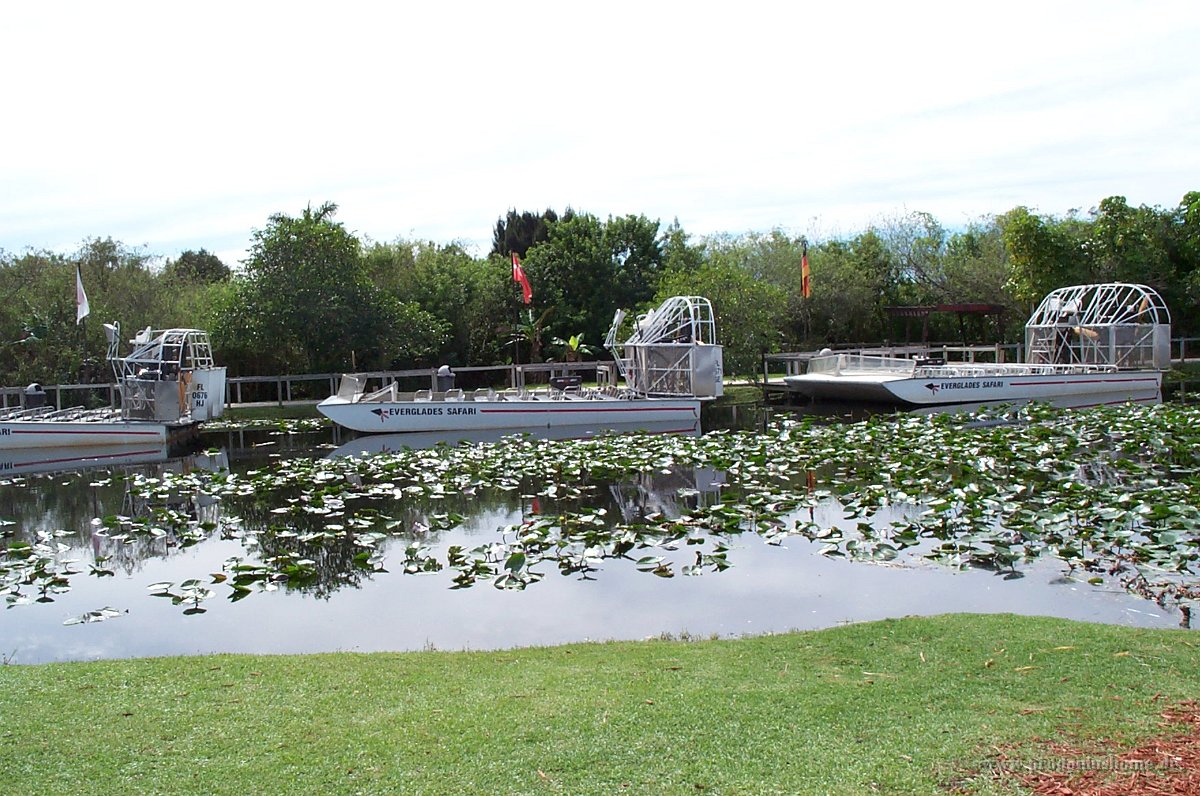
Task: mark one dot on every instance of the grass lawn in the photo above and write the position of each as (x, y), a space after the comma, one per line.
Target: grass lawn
(740, 394)
(900, 706)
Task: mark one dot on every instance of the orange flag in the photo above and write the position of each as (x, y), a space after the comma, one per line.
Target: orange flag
(805, 274)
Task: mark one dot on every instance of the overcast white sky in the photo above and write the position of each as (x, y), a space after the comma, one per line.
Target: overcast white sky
(184, 126)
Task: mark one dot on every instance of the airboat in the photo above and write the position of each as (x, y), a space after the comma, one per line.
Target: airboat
(667, 367)
(167, 384)
(1087, 345)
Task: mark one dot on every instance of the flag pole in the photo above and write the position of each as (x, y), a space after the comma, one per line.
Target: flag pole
(805, 274)
(518, 275)
(516, 320)
(806, 286)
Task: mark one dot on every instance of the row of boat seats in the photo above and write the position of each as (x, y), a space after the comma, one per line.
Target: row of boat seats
(391, 393)
(572, 392)
(429, 395)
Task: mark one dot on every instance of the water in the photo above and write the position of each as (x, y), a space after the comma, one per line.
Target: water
(345, 607)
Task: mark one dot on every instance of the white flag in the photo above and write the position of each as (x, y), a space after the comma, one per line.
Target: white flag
(81, 303)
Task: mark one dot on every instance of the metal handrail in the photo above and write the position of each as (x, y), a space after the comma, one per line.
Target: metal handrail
(1182, 349)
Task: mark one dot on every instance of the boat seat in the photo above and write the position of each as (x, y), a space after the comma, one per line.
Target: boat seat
(423, 395)
(386, 393)
(452, 395)
(485, 394)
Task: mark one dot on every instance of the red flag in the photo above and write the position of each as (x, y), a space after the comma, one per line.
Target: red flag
(520, 278)
(805, 275)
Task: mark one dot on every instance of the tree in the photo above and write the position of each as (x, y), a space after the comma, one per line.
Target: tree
(39, 339)
(915, 244)
(1186, 251)
(466, 295)
(529, 329)
(677, 252)
(587, 269)
(573, 272)
(520, 232)
(305, 303)
(1043, 254)
(975, 268)
(197, 268)
(774, 258)
(749, 312)
(636, 250)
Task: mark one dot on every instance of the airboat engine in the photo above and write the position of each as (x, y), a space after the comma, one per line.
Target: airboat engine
(673, 350)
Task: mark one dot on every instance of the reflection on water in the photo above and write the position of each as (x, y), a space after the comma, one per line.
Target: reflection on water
(108, 535)
(28, 461)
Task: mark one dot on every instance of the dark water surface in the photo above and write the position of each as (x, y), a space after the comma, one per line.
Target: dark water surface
(768, 588)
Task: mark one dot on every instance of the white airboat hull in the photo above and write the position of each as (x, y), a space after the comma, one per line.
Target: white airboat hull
(392, 417)
(1076, 390)
(670, 364)
(1087, 345)
(17, 434)
(167, 384)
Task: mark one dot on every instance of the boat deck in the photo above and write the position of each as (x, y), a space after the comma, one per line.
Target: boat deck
(389, 394)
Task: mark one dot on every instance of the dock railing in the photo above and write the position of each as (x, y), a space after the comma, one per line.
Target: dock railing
(777, 366)
(315, 387)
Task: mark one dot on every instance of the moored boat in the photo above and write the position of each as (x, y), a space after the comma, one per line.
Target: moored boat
(1087, 345)
(669, 365)
(168, 384)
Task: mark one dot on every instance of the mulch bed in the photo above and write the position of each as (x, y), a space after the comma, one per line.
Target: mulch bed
(1168, 765)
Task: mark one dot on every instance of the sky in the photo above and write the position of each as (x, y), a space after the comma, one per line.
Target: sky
(170, 126)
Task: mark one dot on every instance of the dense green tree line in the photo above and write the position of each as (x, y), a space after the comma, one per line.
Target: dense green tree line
(313, 297)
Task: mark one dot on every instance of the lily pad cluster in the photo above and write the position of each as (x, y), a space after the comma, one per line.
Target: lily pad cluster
(1111, 493)
(37, 570)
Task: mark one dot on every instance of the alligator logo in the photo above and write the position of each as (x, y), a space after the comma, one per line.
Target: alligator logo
(933, 388)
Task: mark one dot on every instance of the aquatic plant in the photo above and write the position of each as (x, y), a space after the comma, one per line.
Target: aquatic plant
(1112, 493)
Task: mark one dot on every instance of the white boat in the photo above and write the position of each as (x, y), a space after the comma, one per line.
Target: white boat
(669, 365)
(27, 461)
(167, 384)
(1088, 345)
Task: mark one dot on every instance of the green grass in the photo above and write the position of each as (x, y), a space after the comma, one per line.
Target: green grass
(891, 707)
(740, 394)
